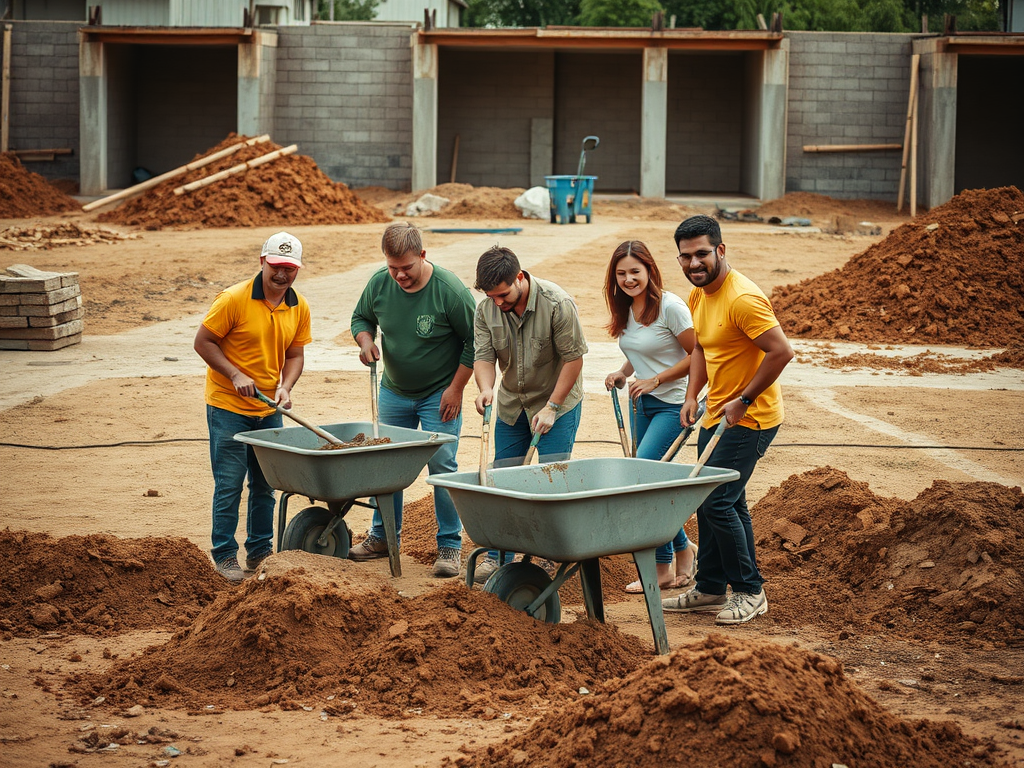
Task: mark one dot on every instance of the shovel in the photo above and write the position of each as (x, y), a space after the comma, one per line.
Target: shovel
(685, 434)
(485, 438)
(709, 448)
(532, 449)
(618, 420)
(321, 433)
(579, 172)
(373, 400)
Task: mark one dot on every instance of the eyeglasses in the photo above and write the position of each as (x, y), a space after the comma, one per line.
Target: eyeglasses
(702, 254)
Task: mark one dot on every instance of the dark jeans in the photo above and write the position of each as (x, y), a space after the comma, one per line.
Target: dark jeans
(231, 462)
(726, 554)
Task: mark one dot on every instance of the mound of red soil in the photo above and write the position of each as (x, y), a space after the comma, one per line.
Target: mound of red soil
(954, 275)
(951, 560)
(24, 193)
(289, 190)
(100, 584)
(315, 631)
(724, 702)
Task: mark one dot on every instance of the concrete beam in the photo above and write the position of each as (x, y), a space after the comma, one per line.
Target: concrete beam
(424, 115)
(654, 122)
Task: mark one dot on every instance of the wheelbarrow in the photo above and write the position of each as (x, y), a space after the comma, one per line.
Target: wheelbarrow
(575, 513)
(292, 462)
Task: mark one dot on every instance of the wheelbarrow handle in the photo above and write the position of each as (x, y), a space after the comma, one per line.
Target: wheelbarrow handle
(321, 433)
(710, 447)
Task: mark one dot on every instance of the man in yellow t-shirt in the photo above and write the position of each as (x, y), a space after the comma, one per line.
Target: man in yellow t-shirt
(740, 353)
(252, 339)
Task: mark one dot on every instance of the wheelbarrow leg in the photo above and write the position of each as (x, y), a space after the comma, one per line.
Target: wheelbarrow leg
(593, 598)
(647, 571)
(282, 518)
(386, 505)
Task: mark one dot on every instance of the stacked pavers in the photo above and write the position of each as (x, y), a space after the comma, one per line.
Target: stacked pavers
(39, 310)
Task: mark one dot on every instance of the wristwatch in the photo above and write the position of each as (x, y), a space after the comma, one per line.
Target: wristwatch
(746, 400)
(554, 406)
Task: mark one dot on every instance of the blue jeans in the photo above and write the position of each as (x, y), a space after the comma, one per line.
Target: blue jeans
(512, 443)
(231, 462)
(656, 424)
(425, 414)
(726, 556)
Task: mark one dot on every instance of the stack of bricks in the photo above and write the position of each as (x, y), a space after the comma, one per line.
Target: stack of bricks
(39, 310)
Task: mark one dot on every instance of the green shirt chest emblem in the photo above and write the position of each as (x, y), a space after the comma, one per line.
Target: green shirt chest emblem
(424, 325)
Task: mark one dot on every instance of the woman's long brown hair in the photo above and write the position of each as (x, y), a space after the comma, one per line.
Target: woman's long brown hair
(618, 301)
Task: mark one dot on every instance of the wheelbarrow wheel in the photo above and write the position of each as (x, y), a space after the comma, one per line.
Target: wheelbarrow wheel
(519, 584)
(305, 528)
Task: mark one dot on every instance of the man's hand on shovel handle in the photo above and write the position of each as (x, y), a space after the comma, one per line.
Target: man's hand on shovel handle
(368, 351)
(243, 385)
(283, 397)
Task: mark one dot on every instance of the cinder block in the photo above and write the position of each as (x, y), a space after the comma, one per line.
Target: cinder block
(56, 332)
(44, 345)
(39, 310)
(13, 322)
(49, 322)
(51, 297)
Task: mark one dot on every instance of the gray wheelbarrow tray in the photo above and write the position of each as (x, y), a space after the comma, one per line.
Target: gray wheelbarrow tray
(292, 462)
(579, 511)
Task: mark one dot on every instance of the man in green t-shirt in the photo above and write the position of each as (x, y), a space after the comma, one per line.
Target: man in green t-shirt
(425, 315)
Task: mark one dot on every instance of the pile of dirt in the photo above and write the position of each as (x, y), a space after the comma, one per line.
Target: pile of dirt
(915, 365)
(464, 201)
(101, 584)
(953, 275)
(287, 191)
(44, 238)
(724, 702)
(310, 631)
(950, 560)
(822, 208)
(24, 193)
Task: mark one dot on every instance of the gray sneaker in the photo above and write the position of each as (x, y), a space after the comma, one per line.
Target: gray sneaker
(742, 607)
(230, 569)
(484, 568)
(694, 601)
(369, 548)
(448, 563)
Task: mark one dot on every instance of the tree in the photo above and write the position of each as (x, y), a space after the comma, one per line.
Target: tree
(348, 10)
(521, 13)
(617, 13)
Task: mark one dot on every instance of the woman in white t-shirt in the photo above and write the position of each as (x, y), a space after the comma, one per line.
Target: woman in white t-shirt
(655, 332)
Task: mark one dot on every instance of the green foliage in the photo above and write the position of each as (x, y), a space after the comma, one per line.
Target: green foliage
(521, 13)
(617, 13)
(348, 10)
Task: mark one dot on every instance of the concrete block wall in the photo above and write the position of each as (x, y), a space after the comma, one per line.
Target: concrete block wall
(600, 95)
(44, 93)
(344, 95)
(491, 100)
(846, 88)
(705, 122)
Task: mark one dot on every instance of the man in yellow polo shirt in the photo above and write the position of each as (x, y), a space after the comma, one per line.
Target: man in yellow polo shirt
(740, 353)
(252, 339)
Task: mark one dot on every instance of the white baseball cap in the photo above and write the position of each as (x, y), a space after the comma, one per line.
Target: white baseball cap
(283, 248)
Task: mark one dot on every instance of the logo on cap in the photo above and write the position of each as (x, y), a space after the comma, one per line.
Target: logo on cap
(284, 248)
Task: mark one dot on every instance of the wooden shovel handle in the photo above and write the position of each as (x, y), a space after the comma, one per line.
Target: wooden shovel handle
(532, 449)
(321, 433)
(709, 448)
(484, 440)
(618, 420)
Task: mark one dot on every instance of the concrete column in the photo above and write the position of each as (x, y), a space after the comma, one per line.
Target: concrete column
(92, 118)
(773, 97)
(424, 115)
(936, 126)
(250, 59)
(542, 149)
(654, 123)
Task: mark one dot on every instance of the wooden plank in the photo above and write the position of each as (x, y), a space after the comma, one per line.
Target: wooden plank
(850, 147)
(915, 67)
(240, 168)
(5, 91)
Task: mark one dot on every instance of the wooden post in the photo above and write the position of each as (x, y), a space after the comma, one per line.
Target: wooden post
(179, 171)
(455, 157)
(234, 170)
(5, 92)
(913, 156)
(915, 64)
